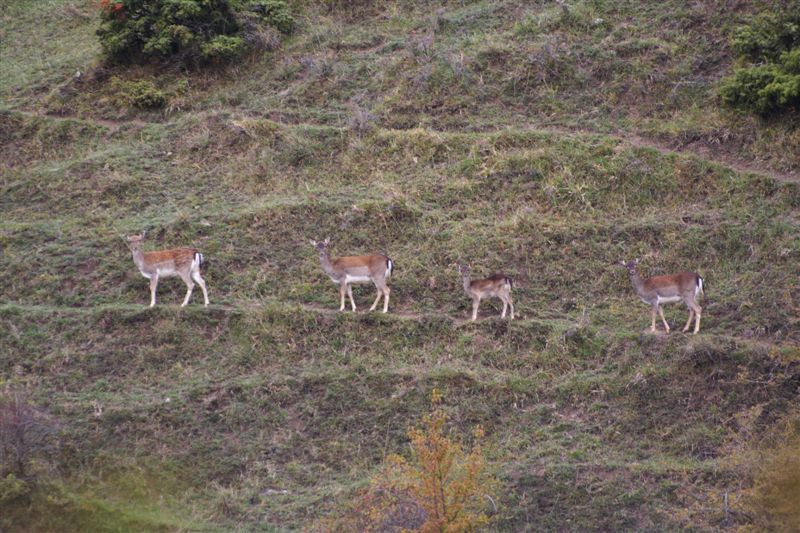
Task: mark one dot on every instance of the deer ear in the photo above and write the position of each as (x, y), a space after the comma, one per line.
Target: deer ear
(623, 263)
(313, 242)
(327, 241)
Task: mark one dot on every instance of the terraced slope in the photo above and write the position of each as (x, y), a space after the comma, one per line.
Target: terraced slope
(529, 154)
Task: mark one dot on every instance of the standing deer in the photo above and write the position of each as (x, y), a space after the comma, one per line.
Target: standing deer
(657, 290)
(183, 262)
(496, 285)
(344, 271)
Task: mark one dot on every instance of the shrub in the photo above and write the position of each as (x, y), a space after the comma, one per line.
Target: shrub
(25, 436)
(275, 13)
(772, 501)
(223, 47)
(449, 485)
(768, 35)
(142, 93)
(765, 89)
(256, 35)
(12, 488)
(440, 488)
(184, 30)
(361, 120)
(772, 85)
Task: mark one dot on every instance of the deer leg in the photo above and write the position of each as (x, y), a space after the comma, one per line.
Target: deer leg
(697, 311)
(386, 291)
(377, 298)
(383, 290)
(689, 321)
(342, 291)
(475, 303)
(653, 311)
(664, 320)
(350, 294)
(505, 306)
(511, 304)
(153, 287)
(200, 281)
(187, 279)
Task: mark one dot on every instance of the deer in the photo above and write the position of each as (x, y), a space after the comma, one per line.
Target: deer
(346, 270)
(658, 290)
(182, 262)
(496, 285)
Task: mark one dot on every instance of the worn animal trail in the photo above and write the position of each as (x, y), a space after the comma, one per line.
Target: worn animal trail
(637, 141)
(251, 306)
(461, 321)
(331, 311)
(631, 138)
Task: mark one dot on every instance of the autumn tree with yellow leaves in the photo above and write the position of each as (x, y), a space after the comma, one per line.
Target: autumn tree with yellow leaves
(439, 488)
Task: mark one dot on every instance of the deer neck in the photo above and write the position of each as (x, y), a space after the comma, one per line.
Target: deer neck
(325, 261)
(138, 258)
(467, 284)
(636, 281)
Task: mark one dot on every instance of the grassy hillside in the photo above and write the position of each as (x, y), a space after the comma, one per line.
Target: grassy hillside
(548, 142)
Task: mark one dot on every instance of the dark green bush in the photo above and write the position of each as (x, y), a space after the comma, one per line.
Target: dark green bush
(184, 30)
(222, 47)
(773, 84)
(12, 488)
(275, 13)
(765, 89)
(143, 94)
(768, 35)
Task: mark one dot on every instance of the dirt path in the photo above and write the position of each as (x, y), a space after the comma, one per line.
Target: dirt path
(245, 306)
(416, 317)
(334, 311)
(633, 139)
(487, 315)
(705, 153)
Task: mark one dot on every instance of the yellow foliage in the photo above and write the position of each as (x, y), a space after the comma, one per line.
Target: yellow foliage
(774, 499)
(452, 487)
(440, 488)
